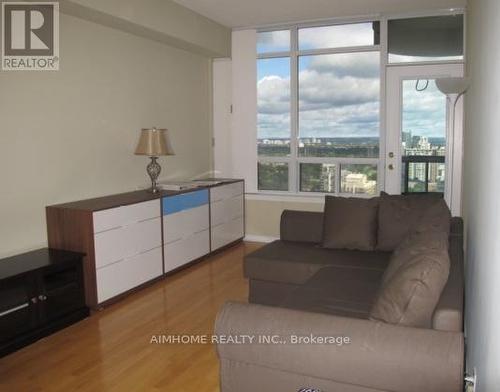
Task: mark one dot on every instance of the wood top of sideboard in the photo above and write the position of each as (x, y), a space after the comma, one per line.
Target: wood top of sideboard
(127, 198)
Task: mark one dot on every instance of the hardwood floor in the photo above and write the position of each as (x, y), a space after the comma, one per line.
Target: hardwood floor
(111, 350)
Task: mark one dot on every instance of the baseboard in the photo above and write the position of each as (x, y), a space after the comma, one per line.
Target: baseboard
(259, 238)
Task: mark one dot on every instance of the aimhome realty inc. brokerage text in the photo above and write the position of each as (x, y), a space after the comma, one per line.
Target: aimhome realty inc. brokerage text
(250, 339)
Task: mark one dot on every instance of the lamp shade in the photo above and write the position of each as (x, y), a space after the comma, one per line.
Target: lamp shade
(452, 85)
(154, 142)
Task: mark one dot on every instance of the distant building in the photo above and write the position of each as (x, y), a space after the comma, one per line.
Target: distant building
(328, 178)
(421, 146)
(358, 183)
(406, 139)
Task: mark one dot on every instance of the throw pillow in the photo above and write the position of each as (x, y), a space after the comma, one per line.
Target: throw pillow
(398, 214)
(350, 223)
(425, 236)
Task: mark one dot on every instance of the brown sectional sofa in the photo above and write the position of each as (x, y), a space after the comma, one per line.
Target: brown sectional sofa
(299, 288)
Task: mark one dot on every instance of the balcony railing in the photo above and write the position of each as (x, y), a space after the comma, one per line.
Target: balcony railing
(416, 159)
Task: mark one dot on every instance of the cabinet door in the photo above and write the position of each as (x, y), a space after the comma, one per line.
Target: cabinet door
(18, 314)
(61, 291)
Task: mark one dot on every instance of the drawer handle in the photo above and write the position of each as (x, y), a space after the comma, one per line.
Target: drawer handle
(42, 297)
(146, 251)
(112, 263)
(148, 219)
(12, 310)
(106, 230)
(174, 241)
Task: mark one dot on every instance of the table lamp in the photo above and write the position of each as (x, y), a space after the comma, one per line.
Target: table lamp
(154, 143)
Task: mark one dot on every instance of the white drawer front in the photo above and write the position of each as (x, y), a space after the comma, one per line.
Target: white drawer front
(224, 211)
(227, 232)
(185, 223)
(125, 215)
(144, 236)
(183, 251)
(107, 219)
(226, 191)
(126, 241)
(118, 278)
(110, 246)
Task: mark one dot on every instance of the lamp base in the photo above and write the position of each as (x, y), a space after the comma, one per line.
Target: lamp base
(154, 170)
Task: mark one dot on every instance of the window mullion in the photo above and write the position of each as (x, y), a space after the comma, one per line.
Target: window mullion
(293, 168)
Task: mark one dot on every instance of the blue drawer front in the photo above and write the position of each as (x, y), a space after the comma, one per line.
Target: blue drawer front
(185, 201)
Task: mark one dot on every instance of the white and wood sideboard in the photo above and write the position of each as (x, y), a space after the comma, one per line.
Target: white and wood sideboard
(135, 238)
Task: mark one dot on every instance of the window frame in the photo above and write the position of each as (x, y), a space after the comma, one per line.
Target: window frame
(294, 160)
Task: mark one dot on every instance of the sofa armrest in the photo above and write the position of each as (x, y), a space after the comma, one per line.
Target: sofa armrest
(301, 226)
(380, 356)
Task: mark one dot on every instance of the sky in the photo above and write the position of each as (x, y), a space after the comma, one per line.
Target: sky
(338, 93)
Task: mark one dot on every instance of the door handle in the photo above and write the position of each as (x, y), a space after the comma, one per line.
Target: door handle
(391, 155)
(12, 310)
(391, 166)
(42, 297)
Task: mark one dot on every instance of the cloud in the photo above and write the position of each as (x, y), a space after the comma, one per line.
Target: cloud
(424, 113)
(356, 65)
(357, 120)
(273, 94)
(273, 41)
(338, 96)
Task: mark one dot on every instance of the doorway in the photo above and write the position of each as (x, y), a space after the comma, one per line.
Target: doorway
(423, 149)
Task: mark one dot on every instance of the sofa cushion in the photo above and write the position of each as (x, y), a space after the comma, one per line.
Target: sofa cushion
(350, 223)
(297, 262)
(398, 214)
(339, 291)
(436, 218)
(422, 237)
(417, 276)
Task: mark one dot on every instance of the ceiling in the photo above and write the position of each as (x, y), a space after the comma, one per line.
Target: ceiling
(252, 13)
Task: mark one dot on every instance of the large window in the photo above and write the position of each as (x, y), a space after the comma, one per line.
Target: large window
(318, 109)
(319, 104)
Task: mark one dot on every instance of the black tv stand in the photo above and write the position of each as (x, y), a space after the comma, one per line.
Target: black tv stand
(40, 292)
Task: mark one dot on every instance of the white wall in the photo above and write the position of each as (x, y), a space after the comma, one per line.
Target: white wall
(160, 20)
(70, 134)
(481, 194)
(244, 117)
(222, 100)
